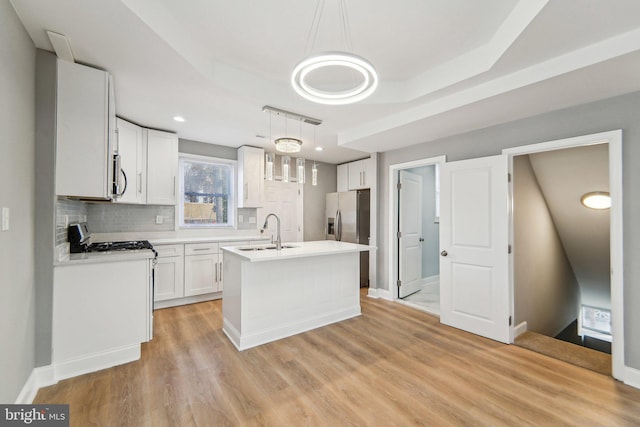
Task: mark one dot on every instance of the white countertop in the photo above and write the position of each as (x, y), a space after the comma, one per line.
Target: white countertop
(95, 257)
(301, 250)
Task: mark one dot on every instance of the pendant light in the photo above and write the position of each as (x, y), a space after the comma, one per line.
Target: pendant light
(314, 168)
(269, 157)
(300, 172)
(286, 163)
(362, 88)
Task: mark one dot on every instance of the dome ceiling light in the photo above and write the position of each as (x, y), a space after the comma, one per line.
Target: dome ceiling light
(366, 78)
(596, 200)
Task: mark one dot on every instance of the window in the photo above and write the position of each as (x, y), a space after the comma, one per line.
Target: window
(206, 192)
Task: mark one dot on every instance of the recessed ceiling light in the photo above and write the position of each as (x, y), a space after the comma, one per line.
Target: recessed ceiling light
(178, 118)
(596, 200)
(319, 148)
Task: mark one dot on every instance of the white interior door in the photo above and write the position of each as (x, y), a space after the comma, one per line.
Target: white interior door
(410, 227)
(474, 290)
(285, 200)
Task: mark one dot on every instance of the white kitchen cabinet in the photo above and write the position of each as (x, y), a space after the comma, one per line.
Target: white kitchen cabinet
(250, 177)
(202, 268)
(85, 125)
(101, 314)
(162, 167)
(360, 174)
(132, 149)
(169, 274)
(343, 177)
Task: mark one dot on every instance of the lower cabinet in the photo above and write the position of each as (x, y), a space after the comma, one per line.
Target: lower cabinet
(202, 268)
(102, 312)
(191, 272)
(169, 274)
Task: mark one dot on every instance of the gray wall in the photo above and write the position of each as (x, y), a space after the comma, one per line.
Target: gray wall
(546, 291)
(17, 125)
(430, 229)
(614, 113)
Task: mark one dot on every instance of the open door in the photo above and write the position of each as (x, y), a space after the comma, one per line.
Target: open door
(474, 287)
(410, 227)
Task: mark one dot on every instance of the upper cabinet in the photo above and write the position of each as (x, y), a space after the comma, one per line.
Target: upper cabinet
(131, 148)
(162, 167)
(356, 175)
(250, 177)
(85, 125)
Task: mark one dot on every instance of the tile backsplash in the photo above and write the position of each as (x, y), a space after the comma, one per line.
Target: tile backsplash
(68, 212)
(117, 218)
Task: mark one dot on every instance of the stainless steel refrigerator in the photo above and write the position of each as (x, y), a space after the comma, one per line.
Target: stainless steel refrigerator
(347, 219)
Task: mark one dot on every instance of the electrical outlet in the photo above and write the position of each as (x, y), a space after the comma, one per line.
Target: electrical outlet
(240, 218)
(159, 219)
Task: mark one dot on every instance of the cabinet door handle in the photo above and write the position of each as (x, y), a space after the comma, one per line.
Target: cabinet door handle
(246, 191)
(174, 186)
(364, 178)
(140, 183)
(201, 249)
(216, 272)
(220, 270)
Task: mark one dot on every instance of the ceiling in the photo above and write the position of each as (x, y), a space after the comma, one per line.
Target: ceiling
(564, 177)
(445, 66)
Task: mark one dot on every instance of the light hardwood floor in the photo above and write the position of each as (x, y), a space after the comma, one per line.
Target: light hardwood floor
(392, 366)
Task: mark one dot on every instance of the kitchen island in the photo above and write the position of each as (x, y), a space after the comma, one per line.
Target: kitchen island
(270, 294)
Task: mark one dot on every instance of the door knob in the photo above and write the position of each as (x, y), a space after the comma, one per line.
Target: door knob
(421, 239)
(444, 253)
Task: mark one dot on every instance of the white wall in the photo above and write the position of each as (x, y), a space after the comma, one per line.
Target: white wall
(546, 291)
(17, 127)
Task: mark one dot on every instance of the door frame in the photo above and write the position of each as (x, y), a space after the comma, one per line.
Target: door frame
(614, 140)
(393, 216)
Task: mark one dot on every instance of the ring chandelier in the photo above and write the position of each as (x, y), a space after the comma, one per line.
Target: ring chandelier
(334, 59)
(364, 84)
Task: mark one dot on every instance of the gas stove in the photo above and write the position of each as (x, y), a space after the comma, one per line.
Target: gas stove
(80, 241)
(130, 245)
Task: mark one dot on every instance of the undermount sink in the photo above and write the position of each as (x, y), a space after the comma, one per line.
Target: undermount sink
(261, 248)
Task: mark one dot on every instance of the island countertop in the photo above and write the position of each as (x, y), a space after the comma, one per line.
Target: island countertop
(259, 253)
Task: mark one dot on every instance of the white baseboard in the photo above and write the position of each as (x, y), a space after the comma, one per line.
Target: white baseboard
(379, 293)
(632, 377)
(186, 300)
(256, 338)
(519, 329)
(45, 376)
(430, 280)
(39, 377)
(96, 362)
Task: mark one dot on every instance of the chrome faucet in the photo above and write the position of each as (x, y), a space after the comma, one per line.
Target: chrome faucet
(266, 223)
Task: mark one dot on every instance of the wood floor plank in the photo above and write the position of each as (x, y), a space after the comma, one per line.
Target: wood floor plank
(392, 366)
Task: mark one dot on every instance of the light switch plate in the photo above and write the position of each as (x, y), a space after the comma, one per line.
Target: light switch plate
(159, 219)
(5, 219)
(240, 218)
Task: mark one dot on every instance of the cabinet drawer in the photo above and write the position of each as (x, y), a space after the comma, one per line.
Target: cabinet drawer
(169, 250)
(201, 248)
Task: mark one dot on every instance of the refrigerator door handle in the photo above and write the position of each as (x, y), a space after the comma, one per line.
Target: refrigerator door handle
(339, 232)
